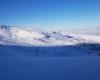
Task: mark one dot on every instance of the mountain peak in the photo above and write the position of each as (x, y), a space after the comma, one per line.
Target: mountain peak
(35, 36)
(4, 27)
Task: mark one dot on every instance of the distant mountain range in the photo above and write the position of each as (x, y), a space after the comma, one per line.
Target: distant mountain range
(10, 35)
(90, 31)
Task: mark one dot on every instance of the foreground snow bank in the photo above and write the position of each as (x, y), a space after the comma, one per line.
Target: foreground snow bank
(50, 68)
(47, 51)
(42, 63)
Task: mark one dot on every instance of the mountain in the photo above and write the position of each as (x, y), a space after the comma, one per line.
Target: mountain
(10, 35)
(34, 54)
(89, 31)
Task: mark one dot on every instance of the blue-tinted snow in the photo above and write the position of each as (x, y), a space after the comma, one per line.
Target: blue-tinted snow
(18, 63)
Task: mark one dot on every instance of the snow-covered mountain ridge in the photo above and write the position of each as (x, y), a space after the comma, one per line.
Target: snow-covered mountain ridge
(89, 31)
(31, 36)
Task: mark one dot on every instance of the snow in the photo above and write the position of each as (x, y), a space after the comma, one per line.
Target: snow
(34, 54)
(88, 30)
(90, 38)
(15, 66)
(33, 36)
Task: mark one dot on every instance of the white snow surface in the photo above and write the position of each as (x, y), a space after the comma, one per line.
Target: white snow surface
(31, 61)
(37, 37)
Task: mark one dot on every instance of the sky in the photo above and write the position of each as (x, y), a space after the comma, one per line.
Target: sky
(50, 14)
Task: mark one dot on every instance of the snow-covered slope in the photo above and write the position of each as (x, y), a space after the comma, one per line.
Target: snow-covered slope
(55, 62)
(32, 36)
